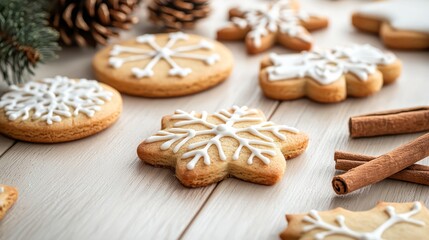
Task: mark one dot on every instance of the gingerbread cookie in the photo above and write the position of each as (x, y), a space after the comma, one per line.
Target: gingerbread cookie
(281, 22)
(400, 24)
(164, 65)
(328, 75)
(58, 109)
(393, 221)
(238, 142)
(8, 196)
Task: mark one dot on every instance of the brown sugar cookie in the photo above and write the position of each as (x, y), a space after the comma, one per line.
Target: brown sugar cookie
(164, 65)
(281, 22)
(8, 196)
(328, 75)
(400, 24)
(393, 221)
(238, 142)
(58, 109)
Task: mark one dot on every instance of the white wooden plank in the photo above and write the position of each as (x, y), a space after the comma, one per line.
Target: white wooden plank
(5, 144)
(96, 188)
(239, 210)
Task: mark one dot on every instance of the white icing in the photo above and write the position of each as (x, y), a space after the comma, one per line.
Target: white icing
(327, 66)
(278, 17)
(401, 14)
(158, 53)
(342, 229)
(180, 134)
(53, 98)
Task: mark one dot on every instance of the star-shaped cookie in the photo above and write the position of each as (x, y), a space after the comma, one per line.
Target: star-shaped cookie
(393, 221)
(8, 196)
(238, 142)
(400, 24)
(281, 22)
(328, 75)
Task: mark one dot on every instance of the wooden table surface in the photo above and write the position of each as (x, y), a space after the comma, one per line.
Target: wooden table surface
(97, 188)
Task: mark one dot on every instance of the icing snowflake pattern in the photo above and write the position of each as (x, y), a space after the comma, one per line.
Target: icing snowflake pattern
(278, 17)
(53, 98)
(327, 66)
(316, 222)
(158, 53)
(200, 149)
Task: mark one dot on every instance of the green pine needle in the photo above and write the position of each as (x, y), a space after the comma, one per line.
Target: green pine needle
(25, 39)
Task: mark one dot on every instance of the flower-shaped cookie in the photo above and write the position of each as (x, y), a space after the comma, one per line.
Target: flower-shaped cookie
(238, 142)
(393, 221)
(328, 75)
(8, 196)
(280, 23)
(400, 24)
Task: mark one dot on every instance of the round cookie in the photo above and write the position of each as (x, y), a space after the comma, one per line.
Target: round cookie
(58, 110)
(163, 65)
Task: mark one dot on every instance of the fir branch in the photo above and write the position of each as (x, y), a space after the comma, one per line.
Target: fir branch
(25, 39)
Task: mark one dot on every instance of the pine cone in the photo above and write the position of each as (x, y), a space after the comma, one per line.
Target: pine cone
(91, 22)
(178, 14)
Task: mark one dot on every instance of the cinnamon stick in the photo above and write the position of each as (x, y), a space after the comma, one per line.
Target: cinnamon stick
(415, 173)
(407, 120)
(383, 166)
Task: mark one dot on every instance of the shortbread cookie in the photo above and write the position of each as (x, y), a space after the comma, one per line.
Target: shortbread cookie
(238, 142)
(163, 65)
(58, 109)
(400, 24)
(328, 75)
(392, 221)
(281, 22)
(8, 196)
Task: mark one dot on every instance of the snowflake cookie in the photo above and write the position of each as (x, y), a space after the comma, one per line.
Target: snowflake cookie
(280, 21)
(58, 109)
(328, 75)
(8, 196)
(163, 65)
(206, 148)
(393, 221)
(400, 24)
